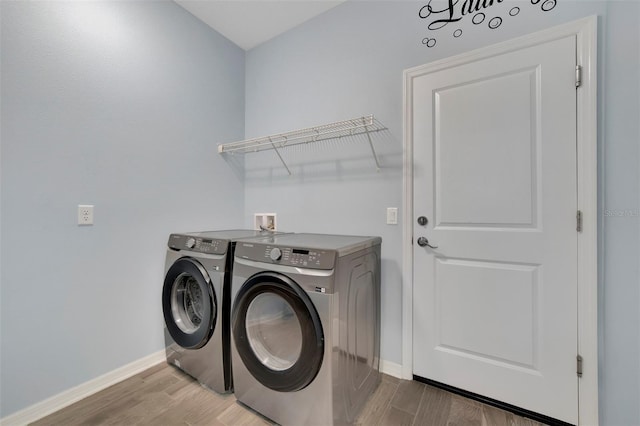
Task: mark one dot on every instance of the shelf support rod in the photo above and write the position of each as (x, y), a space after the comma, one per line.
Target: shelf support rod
(279, 156)
(373, 151)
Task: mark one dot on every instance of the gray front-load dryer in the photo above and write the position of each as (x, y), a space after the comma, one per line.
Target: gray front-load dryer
(195, 303)
(305, 326)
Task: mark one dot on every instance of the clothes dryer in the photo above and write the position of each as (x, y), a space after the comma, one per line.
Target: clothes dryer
(306, 326)
(195, 303)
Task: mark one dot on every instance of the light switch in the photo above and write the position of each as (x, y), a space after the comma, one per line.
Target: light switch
(392, 215)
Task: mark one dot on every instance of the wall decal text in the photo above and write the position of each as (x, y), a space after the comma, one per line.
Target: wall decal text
(454, 11)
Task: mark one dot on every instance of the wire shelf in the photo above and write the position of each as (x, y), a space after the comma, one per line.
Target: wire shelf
(338, 130)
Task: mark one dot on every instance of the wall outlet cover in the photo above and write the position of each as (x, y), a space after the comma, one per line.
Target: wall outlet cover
(85, 214)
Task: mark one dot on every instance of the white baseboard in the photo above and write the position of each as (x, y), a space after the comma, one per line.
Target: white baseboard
(391, 368)
(68, 397)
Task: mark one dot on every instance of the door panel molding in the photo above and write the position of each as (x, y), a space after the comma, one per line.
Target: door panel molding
(585, 31)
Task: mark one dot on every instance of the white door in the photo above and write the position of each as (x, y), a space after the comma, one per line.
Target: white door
(495, 304)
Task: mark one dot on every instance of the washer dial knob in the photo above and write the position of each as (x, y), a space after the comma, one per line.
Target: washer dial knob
(275, 254)
(191, 243)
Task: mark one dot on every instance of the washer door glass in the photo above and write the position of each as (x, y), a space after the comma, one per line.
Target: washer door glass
(273, 331)
(189, 304)
(277, 332)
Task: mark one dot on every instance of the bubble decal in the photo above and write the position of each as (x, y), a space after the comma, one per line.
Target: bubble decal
(456, 13)
(429, 42)
(548, 5)
(478, 18)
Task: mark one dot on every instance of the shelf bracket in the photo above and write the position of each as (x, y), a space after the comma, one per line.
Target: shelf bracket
(279, 156)
(373, 150)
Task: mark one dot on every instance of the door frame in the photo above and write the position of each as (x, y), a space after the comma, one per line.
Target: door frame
(585, 31)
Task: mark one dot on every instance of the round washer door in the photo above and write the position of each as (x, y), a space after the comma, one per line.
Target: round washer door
(189, 304)
(277, 332)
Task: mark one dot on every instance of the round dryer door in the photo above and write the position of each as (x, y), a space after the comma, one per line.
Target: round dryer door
(189, 304)
(277, 332)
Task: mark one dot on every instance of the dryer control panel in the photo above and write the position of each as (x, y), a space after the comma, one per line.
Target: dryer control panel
(198, 244)
(287, 256)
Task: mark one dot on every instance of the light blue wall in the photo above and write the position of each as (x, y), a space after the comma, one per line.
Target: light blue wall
(117, 104)
(620, 170)
(349, 62)
(120, 104)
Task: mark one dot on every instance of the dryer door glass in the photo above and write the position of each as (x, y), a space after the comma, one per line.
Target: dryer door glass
(277, 332)
(189, 304)
(274, 332)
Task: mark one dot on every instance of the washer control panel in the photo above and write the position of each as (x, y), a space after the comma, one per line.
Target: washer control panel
(197, 244)
(287, 256)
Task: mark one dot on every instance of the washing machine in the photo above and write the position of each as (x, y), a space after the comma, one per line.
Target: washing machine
(195, 303)
(305, 326)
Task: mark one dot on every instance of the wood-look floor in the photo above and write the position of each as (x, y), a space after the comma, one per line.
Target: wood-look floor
(163, 395)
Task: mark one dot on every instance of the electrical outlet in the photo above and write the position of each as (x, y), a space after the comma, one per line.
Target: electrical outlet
(85, 214)
(392, 215)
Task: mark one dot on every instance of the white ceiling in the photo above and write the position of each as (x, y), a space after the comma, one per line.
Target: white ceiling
(249, 23)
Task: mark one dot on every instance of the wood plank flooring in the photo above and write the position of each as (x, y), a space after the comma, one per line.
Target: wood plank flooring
(163, 395)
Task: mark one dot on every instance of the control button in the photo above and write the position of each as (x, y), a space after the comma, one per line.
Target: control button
(275, 254)
(191, 243)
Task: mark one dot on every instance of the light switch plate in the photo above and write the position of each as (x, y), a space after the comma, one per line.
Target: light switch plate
(392, 215)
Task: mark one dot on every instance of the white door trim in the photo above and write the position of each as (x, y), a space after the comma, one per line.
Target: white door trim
(585, 31)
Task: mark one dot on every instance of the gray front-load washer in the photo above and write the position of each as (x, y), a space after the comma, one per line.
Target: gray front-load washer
(195, 303)
(305, 326)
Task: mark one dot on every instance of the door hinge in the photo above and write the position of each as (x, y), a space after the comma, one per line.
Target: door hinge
(578, 75)
(579, 221)
(579, 365)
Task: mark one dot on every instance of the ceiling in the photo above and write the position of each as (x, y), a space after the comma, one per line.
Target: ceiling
(249, 23)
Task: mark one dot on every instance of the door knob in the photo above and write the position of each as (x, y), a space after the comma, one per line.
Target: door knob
(423, 242)
(422, 220)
